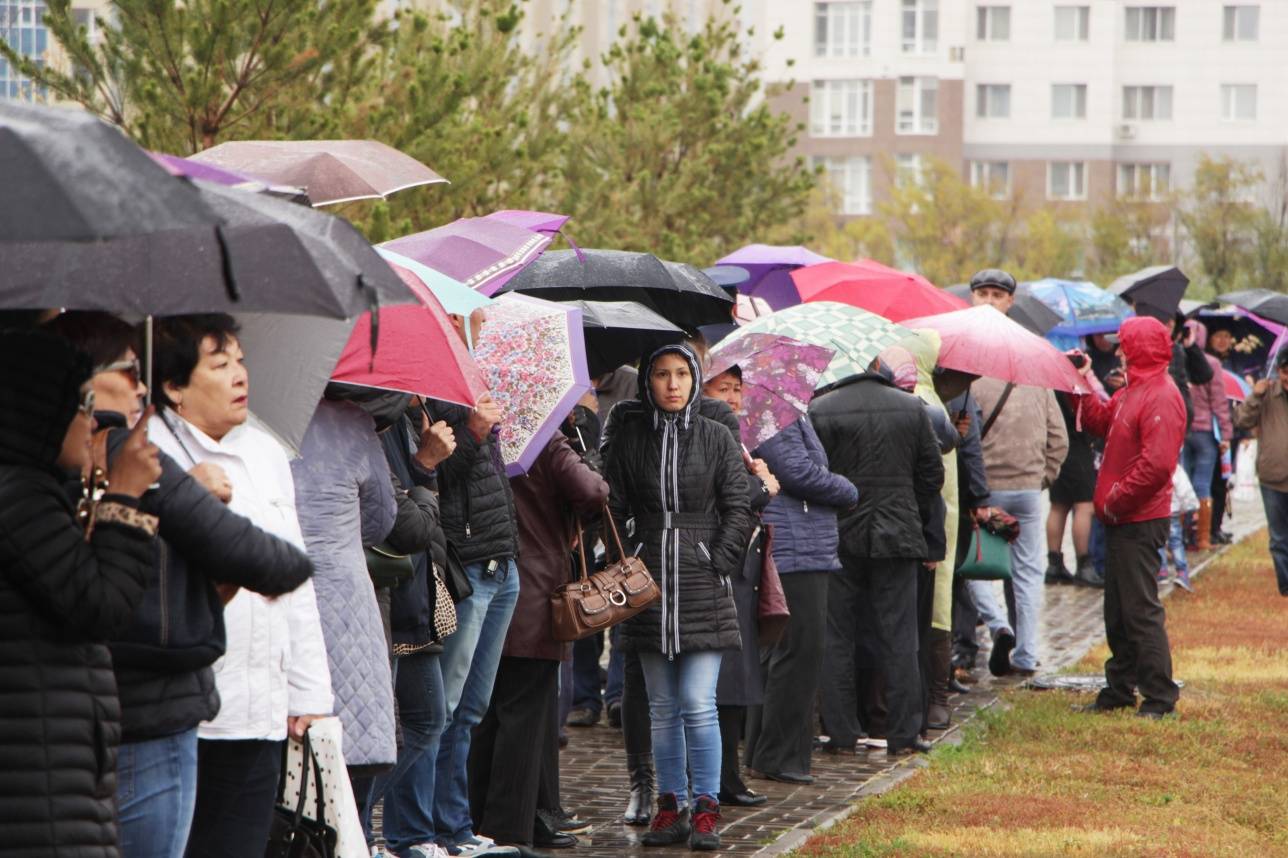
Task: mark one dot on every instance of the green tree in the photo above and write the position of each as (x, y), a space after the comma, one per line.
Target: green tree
(1047, 246)
(824, 231)
(1220, 219)
(680, 153)
(183, 76)
(1268, 264)
(1125, 236)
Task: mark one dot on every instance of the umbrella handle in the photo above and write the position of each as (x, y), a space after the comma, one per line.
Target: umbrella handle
(147, 359)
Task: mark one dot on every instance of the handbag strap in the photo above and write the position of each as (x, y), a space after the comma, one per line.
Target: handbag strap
(997, 410)
(612, 525)
(580, 535)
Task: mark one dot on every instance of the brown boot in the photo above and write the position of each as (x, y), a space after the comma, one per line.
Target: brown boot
(941, 657)
(1203, 536)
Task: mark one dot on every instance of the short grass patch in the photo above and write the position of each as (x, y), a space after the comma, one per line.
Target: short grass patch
(1041, 780)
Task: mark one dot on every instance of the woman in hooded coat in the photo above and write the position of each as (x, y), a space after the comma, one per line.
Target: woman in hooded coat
(681, 477)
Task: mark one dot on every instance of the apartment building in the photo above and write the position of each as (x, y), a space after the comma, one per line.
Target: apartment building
(1065, 102)
(22, 26)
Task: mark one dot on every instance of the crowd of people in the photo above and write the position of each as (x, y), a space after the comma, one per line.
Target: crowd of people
(181, 597)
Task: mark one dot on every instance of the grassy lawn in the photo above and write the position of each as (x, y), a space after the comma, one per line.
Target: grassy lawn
(1034, 779)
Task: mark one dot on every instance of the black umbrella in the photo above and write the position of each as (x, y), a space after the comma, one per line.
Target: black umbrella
(715, 333)
(1263, 302)
(618, 332)
(682, 294)
(1154, 291)
(1033, 314)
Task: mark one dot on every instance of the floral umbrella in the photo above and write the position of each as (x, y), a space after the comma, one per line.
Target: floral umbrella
(856, 336)
(779, 375)
(533, 354)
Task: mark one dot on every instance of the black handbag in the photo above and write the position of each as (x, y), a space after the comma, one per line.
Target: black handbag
(387, 567)
(455, 576)
(292, 834)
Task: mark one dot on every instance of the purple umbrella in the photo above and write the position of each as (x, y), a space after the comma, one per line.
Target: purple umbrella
(779, 375)
(770, 267)
(189, 169)
(482, 252)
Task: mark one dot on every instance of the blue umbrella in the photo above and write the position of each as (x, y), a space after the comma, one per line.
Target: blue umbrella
(1083, 306)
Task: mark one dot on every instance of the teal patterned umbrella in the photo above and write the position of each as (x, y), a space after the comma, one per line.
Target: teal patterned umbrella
(856, 336)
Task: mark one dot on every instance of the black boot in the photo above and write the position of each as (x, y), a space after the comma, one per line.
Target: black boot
(670, 826)
(941, 652)
(1056, 572)
(1087, 575)
(639, 808)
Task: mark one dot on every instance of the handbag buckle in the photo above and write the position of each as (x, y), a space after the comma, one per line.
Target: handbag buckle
(617, 597)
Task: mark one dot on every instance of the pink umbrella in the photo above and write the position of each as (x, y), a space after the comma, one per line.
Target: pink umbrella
(1235, 387)
(779, 375)
(869, 285)
(982, 341)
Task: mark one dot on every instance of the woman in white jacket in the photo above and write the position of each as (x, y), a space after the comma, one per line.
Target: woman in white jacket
(273, 678)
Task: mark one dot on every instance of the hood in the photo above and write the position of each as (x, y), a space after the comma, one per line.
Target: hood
(39, 394)
(384, 406)
(1200, 332)
(645, 390)
(924, 346)
(1146, 347)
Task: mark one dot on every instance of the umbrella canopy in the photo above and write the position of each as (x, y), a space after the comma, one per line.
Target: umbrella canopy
(330, 171)
(534, 221)
(984, 342)
(455, 297)
(1235, 387)
(770, 267)
(871, 286)
(1158, 288)
(1083, 308)
(176, 166)
(727, 276)
(617, 332)
(533, 355)
(855, 336)
(481, 252)
(779, 376)
(681, 293)
(1263, 302)
(1032, 314)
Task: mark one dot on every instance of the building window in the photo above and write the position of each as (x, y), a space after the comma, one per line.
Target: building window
(1072, 23)
(852, 179)
(919, 26)
(1068, 101)
(1151, 23)
(991, 176)
(1067, 180)
(1238, 102)
(907, 169)
(843, 29)
(993, 23)
(917, 106)
(1144, 181)
(1147, 102)
(1240, 23)
(841, 108)
(22, 26)
(993, 100)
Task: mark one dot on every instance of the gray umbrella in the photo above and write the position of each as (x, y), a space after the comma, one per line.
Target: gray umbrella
(618, 332)
(1158, 288)
(1027, 310)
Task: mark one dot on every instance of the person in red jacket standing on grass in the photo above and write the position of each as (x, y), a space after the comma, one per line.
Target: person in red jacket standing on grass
(1144, 427)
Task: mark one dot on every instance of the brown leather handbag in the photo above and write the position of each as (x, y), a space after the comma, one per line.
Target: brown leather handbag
(599, 601)
(771, 609)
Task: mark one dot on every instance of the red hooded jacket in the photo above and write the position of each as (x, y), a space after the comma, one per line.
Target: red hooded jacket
(1143, 427)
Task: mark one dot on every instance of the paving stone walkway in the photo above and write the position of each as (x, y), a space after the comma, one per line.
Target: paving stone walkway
(594, 781)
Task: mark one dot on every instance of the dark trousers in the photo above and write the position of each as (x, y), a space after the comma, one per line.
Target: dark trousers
(780, 734)
(508, 749)
(586, 687)
(1276, 504)
(882, 595)
(965, 623)
(1140, 657)
(925, 607)
(637, 724)
(548, 797)
(732, 721)
(236, 792)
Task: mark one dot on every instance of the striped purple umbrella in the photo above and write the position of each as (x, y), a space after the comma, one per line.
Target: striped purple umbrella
(482, 252)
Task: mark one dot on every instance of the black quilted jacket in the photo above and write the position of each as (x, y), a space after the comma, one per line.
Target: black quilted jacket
(60, 598)
(688, 470)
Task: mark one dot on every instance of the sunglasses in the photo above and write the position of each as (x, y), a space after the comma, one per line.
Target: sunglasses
(132, 369)
(87, 402)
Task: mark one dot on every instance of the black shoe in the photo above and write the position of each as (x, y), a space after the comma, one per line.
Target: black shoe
(615, 714)
(789, 778)
(563, 821)
(670, 825)
(546, 836)
(1056, 571)
(957, 687)
(639, 807)
(1088, 576)
(918, 746)
(1098, 708)
(938, 717)
(706, 815)
(582, 718)
(999, 661)
(1154, 714)
(746, 798)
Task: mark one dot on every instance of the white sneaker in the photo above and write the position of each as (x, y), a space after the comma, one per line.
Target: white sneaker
(874, 743)
(427, 850)
(478, 845)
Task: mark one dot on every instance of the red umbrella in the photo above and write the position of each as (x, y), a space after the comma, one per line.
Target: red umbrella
(1235, 387)
(877, 288)
(418, 352)
(982, 341)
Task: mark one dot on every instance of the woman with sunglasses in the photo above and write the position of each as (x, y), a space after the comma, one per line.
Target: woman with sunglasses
(61, 593)
(163, 659)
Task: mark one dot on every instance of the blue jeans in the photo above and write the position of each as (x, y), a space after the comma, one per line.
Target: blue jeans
(585, 672)
(469, 661)
(686, 727)
(616, 668)
(408, 790)
(1199, 457)
(1176, 547)
(1027, 578)
(1276, 504)
(156, 791)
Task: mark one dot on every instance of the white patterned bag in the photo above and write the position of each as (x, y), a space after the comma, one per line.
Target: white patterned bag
(1184, 500)
(326, 738)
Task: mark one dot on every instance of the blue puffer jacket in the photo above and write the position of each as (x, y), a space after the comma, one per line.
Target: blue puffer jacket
(804, 513)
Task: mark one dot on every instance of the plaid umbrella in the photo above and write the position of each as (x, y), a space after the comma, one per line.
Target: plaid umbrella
(533, 354)
(856, 336)
(779, 375)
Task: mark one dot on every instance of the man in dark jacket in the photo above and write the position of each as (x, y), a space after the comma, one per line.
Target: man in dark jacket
(881, 440)
(1143, 427)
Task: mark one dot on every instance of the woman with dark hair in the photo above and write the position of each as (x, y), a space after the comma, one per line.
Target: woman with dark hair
(163, 660)
(273, 678)
(681, 477)
(62, 591)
